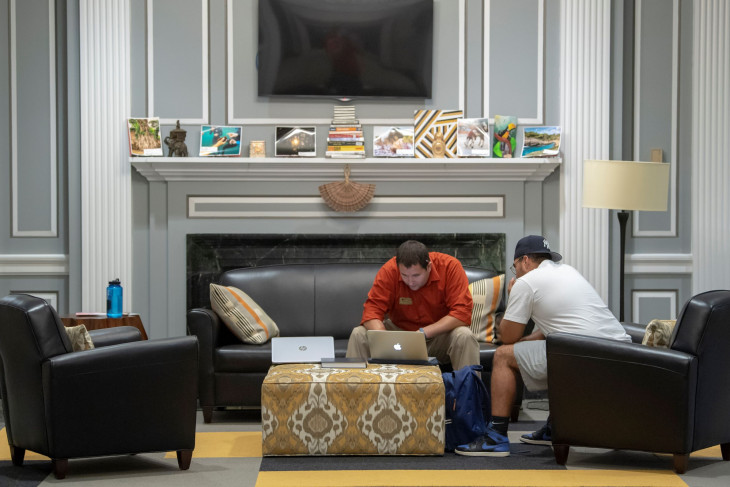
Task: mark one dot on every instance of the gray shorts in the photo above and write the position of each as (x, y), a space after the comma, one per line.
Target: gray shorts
(531, 358)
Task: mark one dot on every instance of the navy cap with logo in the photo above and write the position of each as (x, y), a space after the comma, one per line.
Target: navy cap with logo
(535, 244)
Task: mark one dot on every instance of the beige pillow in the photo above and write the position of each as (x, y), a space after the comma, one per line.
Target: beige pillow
(487, 295)
(79, 338)
(242, 315)
(658, 333)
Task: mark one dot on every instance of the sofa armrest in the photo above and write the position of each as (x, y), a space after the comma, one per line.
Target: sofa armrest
(205, 324)
(635, 330)
(591, 378)
(92, 398)
(114, 336)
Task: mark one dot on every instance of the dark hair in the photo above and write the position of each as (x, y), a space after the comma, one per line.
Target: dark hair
(538, 258)
(412, 252)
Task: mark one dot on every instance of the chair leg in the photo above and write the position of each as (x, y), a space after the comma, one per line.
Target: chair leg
(17, 455)
(207, 413)
(561, 453)
(725, 449)
(60, 467)
(680, 462)
(184, 458)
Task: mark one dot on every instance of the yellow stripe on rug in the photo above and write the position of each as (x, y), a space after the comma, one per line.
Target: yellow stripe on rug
(5, 450)
(507, 478)
(226, 444)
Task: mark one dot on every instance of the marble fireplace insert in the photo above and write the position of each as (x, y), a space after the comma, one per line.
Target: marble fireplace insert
(208, 255)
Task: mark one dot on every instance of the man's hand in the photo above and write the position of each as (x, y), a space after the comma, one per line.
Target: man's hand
(509, 286)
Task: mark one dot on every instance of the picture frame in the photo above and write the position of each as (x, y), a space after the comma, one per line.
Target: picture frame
(295, 142)
(220, 140)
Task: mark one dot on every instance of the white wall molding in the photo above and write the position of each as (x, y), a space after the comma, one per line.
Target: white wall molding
(33, 264)
(53, 170)
(670, 296)
(674, 124)
(233, 119)
(205, 69)
(658, 264)
(540, 82)
(710, 159)
(106, 206)
(314, 207)
(585, 87)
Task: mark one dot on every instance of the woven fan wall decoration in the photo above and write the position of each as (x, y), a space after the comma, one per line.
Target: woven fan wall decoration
(347, 195)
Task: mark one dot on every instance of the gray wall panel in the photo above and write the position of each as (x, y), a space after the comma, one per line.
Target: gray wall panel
(513, 58)
(179, 47)
(34, 116)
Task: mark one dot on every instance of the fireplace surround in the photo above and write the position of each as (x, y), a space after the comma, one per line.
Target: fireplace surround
(208, 255)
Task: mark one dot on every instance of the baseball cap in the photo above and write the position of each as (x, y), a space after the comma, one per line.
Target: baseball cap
(535, 244)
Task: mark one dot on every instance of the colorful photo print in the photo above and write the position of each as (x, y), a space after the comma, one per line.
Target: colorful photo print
(220, 140)
(144, 136)
(296, 142)
(505, 136)
(541, 142)
(472, 137)
(391, 141)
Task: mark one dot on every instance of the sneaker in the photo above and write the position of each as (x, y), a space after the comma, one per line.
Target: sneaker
(492, 444)
(543, 436)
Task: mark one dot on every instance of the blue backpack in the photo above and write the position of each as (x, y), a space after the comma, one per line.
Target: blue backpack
(467, 404)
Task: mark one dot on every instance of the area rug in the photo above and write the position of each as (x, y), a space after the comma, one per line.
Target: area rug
(527, 465)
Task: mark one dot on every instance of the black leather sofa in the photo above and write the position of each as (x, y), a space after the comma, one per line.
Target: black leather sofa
(303, 300)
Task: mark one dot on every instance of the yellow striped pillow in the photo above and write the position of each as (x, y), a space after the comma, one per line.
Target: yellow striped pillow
(242, 315)
(487, 295)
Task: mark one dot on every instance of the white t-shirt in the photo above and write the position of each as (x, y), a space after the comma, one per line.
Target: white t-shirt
(558, 298)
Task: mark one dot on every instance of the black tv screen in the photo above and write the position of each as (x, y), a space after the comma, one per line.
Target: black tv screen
(345, 48)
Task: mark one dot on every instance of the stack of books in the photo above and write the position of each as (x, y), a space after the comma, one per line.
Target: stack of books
(345, 138)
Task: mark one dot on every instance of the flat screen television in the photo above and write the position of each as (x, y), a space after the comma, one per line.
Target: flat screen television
(345, 49)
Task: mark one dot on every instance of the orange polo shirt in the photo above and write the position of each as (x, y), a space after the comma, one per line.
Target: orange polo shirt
(446, 293)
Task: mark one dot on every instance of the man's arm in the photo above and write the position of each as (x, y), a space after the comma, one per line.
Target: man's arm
(510, 331)
(444, 325)
(374, 325)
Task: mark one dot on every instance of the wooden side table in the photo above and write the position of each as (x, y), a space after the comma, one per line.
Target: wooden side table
(102, 321)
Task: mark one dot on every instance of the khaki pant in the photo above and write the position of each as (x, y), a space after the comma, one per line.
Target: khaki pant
(458, 347)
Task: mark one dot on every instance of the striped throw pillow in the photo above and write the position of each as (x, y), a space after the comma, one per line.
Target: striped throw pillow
(487, 295)
(242, 315)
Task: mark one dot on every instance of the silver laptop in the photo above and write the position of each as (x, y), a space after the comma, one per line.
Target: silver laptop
(397, 346)
(301, 350)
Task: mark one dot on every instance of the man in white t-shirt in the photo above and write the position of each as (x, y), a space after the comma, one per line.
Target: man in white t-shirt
(557, 298)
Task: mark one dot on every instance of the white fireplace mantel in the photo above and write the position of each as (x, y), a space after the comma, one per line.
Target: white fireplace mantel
(321, 169)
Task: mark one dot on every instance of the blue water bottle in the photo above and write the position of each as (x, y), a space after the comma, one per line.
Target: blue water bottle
(114, 299)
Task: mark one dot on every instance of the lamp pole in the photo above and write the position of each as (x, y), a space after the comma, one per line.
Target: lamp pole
(623, 217)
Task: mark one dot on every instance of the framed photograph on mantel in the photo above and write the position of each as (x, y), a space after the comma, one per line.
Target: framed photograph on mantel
(541, 142)
(220, 140)
(144, 136)
(295, 142)
(472, 137)
(391, 141)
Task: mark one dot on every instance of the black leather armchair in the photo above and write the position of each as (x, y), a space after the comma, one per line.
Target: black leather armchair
(610, 394)
(119, 398)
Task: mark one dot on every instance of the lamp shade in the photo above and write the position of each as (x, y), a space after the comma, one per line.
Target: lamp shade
(626, 185)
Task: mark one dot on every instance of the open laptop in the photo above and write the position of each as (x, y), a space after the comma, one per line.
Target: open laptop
(301, 350)
(398, 347)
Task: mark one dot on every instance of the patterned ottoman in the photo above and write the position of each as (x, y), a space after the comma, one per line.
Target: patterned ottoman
(380, 410)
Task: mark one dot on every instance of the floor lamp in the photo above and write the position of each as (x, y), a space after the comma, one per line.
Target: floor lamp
(625, 185)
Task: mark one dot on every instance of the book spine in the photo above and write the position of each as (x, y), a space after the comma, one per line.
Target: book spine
(333, 148)
(346, 142)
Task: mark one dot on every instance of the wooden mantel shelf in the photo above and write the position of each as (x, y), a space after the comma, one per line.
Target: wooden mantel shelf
(323, 170)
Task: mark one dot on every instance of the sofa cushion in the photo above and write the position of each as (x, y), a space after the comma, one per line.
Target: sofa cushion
(242, 315)
(487, 295)
(658, 333)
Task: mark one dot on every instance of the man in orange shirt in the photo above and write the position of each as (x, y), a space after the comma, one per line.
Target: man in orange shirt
(424, 291)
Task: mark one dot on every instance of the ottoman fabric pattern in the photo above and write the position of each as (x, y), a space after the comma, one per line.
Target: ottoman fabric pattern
(380, 410)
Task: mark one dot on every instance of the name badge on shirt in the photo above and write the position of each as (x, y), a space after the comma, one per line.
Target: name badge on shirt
(405, 301)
